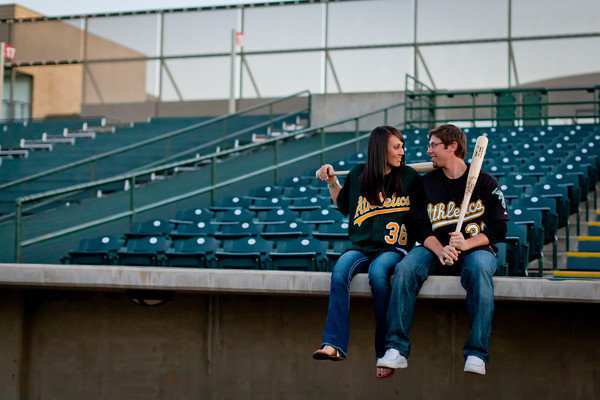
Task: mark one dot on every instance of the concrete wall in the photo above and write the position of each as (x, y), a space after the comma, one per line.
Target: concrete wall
(94, 344)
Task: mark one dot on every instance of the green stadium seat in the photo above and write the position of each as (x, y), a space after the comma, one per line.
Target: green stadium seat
(306, 254)
(190, 229)
(310, 203)
(146, 251)
(321, 216)
(246, 253)
(231, 203)
(270, 204)
(101, 250)
(193, 252)
(233, 216)
(154, 227)
(288, 230)
(192, 215)
(242, 229)
(334, 231)
(276, 216)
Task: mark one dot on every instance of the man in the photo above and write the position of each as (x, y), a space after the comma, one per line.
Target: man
(436, 212)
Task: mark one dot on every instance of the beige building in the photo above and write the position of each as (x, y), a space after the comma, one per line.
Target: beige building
(62, 85)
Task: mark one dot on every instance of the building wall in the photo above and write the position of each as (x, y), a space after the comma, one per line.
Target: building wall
(58, 89)
(81, 344)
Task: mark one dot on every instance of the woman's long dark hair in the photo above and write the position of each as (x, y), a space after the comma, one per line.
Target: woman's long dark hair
(371, 179)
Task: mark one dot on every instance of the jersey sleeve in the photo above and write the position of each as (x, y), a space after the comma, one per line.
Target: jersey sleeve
(343, 198)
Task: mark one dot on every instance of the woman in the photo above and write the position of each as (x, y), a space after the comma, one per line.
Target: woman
(375, 196)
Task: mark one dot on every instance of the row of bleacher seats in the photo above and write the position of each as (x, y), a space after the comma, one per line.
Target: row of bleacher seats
(39, 161)
(541, 198)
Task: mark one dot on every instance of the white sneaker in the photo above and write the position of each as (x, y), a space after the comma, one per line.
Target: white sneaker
(392, 359)
(475, 365)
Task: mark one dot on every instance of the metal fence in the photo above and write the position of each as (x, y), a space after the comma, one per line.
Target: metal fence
(323, 46)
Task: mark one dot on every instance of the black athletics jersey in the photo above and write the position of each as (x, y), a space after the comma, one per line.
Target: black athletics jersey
(437, 208)
(375, 229)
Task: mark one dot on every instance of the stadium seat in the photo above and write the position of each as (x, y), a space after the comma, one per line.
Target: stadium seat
(310, 203)
(321, 216)
(192, 215)
(270, 204)
(101, 250)
(307, 254)
(286, 230)
(242, 229)
(246, 253)
(517, 254)
(334, 231)
(193, 252)
(145, 251)
(300, 192)
(233, 216)
(547, 206)
(535, 232)
(154, 227)
(186, 229)
(294, 181)
(276, 216)
(231, 203)
(266, 192)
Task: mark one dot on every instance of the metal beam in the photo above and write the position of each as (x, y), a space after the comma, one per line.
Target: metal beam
(245, 62)
(425, 66)
(168, 71)
(337, 81)
(311, 49)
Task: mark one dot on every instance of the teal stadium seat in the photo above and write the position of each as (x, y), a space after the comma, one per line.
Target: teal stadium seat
(154, 227)
(146, 251)
(306, 254)
(288, 230)
(186, 229)
(193, 252)
(101, 250)
(246, 253)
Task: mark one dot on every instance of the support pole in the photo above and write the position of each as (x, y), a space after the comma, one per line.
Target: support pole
(2, 46)
(233, 75)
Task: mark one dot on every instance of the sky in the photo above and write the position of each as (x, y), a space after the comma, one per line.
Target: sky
(74, 7)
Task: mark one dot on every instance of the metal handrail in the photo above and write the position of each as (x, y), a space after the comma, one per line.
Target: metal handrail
(213, 156)
(156, 139)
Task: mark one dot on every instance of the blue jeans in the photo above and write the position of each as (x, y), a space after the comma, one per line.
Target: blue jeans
(337, 331)
(476, 271)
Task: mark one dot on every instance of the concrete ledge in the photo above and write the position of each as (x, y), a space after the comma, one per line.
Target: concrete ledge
(274, 282)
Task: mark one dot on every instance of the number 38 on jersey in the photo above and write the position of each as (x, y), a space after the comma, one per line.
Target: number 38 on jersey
(396, 234)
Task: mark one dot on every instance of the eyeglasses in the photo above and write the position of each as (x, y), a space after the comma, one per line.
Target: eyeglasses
(433, 145)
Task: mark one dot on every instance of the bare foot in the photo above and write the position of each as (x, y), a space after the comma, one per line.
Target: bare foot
(384, 372)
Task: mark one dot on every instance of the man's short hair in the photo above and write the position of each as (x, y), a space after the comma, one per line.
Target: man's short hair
(449, 133)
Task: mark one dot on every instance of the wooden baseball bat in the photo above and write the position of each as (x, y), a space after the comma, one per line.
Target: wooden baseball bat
(419, 167)
(474, 170)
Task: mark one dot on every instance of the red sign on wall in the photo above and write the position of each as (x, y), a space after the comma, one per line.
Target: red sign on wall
(9, 52)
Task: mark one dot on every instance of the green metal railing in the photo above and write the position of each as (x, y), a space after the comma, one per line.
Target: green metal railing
(415, 100)
(167, 136)
(206, 159)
